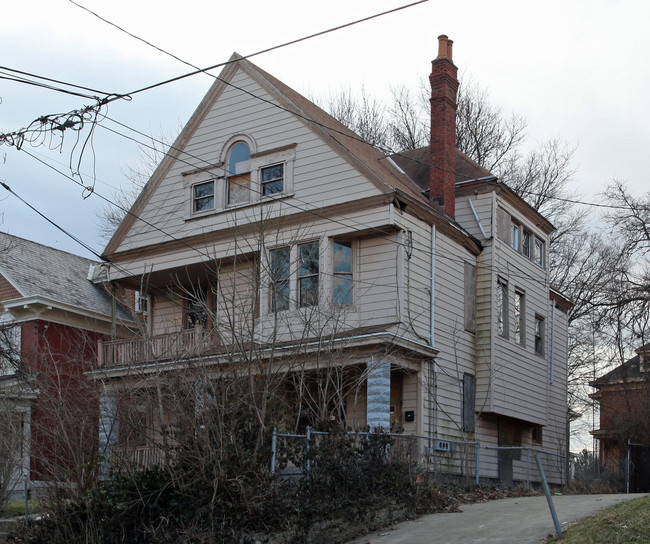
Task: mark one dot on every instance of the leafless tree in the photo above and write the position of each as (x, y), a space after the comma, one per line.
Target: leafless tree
(136, 175)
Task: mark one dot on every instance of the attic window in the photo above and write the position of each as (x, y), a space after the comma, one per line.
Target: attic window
(239, 174)
(272, 179)
(203, 197)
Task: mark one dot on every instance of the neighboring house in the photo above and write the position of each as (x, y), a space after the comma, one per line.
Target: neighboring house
(52, 318)
(623, 395)
(423, 273)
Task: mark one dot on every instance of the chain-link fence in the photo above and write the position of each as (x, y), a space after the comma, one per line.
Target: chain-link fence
(466, 462)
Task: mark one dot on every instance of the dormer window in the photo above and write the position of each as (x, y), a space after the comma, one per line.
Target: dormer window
(238, 174)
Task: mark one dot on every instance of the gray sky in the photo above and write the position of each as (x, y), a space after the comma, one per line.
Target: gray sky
(576, 70)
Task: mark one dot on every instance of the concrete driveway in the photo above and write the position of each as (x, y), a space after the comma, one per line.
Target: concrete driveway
(524, 520)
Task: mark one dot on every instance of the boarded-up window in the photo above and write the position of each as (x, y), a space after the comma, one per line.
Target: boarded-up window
(470, 297)
(469, 408)
(504, 221)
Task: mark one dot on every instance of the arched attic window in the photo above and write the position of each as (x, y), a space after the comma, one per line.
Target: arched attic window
(238, 173)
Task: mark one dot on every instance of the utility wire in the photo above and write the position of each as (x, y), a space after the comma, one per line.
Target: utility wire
(219, 65)
(72, 236)
(81, 87)
(424, 249)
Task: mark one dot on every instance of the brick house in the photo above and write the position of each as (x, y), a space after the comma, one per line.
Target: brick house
(52, 318)
(623, 395)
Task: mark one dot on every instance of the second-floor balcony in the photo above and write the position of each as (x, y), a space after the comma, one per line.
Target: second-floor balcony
(181, 345)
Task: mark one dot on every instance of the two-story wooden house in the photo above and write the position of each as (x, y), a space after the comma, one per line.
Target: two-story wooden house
(270, 232)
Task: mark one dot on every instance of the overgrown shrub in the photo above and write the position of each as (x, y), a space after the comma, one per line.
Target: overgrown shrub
(221, 501)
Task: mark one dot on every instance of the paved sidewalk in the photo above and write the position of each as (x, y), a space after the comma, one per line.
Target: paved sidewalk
(522, 520)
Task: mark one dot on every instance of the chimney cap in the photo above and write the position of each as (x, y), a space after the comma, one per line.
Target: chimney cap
(444, 47)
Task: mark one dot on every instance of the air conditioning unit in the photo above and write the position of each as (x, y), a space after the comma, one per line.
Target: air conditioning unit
(441, 445)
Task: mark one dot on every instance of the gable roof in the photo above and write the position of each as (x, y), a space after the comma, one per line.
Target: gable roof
(630, 369)
(37, 271)
(372, 162)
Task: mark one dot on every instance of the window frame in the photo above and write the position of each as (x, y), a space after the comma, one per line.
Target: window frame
(539, 334)
(265, 183)
(308, 276)
(515, 236)
(347, 275)
(539, 252)
(195, 199)
(502, 308)
(285, 281)
(197, 303)
(520, 317)
(526, 243)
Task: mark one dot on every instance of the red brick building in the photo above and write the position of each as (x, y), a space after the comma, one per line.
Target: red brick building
(52, 317)
(624, 398)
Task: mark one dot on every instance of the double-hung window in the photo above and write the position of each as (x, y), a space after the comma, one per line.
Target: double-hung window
(502, 308)
(515, 230)
(539, 252)
(280, 263)
(203, 197)
(525, 245)
(272, 179)
(342, 281)
(308, 272)
(520, 318)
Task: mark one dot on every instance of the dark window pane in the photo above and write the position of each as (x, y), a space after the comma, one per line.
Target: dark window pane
(273, 172)
(280, 296)
(280, 264)
(308, 274)
(309, 291)
(280, 270)
(204, 196)
(204, 189)
(272, 187)
(308, 259)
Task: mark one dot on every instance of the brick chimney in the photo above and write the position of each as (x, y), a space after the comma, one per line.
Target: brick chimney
(442, 148)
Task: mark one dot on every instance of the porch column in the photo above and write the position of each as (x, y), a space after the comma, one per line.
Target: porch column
(108, 429)
(378, 398)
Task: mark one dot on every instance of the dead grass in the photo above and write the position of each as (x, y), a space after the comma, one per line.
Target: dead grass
(17, 508)
(624, 523)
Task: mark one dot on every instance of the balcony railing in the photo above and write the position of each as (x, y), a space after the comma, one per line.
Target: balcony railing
(141, 457)
(162, 347)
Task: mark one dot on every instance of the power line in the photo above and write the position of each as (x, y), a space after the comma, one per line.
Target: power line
(219, 65)
(28, 74)
(70, 235)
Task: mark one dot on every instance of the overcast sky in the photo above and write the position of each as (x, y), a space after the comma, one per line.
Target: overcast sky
(576, 70)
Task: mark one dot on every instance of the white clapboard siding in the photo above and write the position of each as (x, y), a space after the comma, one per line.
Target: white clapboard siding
(329, 179)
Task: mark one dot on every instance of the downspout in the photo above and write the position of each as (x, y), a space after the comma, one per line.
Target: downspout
(552, 343)
(113, 311)
(478, 220)
(433, 382)
(433, 284)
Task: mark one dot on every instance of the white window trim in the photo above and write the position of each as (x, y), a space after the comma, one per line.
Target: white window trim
(294, 295)
(264, 159)
(355, 273)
